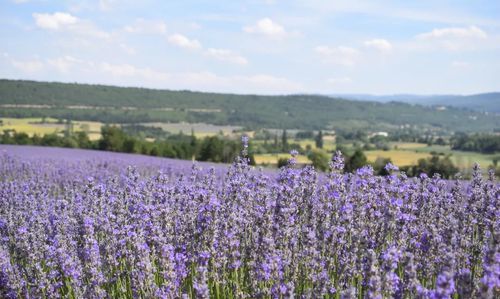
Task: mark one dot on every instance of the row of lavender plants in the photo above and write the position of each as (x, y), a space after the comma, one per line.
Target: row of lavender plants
(105, 230)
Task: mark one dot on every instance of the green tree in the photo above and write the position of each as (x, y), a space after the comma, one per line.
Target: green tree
(129, 145)
(154, 151)
(433, 165)
(68, 128)
(357, 160)
(284, 141)
(112, 139)
(319, 140)
(211, 150)
(282, 162)
(22, 138)
(379, 166)
(319, 159)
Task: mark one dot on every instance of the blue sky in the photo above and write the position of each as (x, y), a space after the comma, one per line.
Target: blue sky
(257, 46)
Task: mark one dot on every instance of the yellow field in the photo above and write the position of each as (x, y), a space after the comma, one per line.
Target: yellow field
(407, 145)
(92, 128)
(273, 158)
(398, 157)
(32, 126)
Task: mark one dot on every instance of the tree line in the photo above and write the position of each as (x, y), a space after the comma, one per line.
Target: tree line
(483, 143)
(215, 149)
(178, 146)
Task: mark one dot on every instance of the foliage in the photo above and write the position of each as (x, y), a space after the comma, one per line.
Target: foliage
(433, 165)
(319, 140)
(180, 146)
(305, 112)
(304, 135)
(357, 160)
(379, 166)
(284, 141)
(282, 162)
(319, 159)
(483, 143)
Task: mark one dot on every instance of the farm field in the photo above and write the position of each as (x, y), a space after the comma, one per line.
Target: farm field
(398, 157)
(200, 129)
(32, 126)
(272, 159)
(408, 153)
(87, 224)
(328, 143)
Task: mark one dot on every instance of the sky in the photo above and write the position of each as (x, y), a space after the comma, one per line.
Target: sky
(257, 46)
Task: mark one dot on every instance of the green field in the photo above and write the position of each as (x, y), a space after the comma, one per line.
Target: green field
(403, 154)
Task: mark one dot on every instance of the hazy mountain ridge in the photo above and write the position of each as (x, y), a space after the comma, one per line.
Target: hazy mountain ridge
(482, 102)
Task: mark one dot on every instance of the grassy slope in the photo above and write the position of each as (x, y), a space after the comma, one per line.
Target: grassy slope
(292, 112)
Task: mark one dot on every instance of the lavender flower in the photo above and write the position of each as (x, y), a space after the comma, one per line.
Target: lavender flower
(97, 228)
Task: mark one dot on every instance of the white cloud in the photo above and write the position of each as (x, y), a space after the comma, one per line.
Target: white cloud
(65, 22)
(54, 21)
(63, 64)
(260, 83)
(455, 33)
(203, 80)
(128, 70)
(460, 64)
(28, 66)
(379, 44)
(339, 81)
(142, 26)
(75, 69)
(340, 55)
(266, 26)
(452, 39)
(127, 49)
(106, 4)
(227, 56)
(182, 41)
(194, 26)
(402, 11)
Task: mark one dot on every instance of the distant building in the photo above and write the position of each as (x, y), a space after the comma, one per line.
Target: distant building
(384, 134)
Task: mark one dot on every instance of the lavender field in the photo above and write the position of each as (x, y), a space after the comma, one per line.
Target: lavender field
(85, 224)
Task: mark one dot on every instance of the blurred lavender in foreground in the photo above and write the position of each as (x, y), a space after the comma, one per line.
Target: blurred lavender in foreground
(96, 228)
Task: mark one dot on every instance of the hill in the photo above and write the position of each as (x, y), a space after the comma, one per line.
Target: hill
(132, 105)
(483, 102)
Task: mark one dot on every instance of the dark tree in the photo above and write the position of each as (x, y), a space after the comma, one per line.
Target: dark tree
(284, 141)
(319, 140)
(357, 160)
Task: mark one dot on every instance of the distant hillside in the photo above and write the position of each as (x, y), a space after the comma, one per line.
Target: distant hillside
(489, 102)
(128, 105)
(484, 102)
